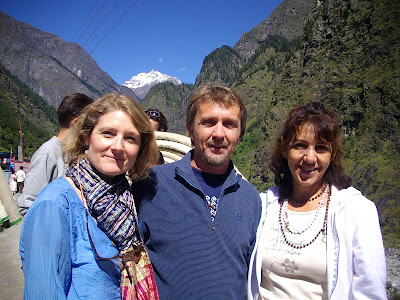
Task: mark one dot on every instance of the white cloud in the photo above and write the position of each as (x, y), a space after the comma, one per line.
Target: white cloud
(160, 60)
(182, 69)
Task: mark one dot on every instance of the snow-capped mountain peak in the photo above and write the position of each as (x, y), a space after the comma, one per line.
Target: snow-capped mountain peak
(142, 82)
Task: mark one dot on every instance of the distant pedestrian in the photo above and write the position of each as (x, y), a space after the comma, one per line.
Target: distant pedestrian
(12, 182)
(20, 179)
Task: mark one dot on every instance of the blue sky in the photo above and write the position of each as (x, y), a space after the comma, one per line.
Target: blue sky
(172, 37)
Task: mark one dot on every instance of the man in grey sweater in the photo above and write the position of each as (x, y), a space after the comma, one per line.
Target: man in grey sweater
(47, 162)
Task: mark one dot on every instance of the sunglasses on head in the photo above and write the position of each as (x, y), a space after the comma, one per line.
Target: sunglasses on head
(152, 113)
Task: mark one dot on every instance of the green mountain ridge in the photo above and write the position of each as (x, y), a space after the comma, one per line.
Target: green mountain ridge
(346, 56)
(349, 59)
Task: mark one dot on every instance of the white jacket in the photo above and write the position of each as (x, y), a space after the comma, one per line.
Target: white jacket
(356, 266)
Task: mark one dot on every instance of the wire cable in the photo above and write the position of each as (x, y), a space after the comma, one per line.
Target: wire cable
(92, 20)
(84, 20)
(100, 23)
(134, 2)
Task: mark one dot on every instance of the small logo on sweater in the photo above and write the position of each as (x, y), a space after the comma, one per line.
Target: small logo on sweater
(239, 217)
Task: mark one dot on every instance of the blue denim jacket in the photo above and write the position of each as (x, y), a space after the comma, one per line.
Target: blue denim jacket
(56, 253)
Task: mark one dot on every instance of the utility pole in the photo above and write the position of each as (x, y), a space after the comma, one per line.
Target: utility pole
(21, 143)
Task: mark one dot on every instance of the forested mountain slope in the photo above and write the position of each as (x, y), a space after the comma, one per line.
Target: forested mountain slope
(38, 119)
(348, 58)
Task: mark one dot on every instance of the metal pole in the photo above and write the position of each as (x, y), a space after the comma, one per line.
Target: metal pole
(21, 143)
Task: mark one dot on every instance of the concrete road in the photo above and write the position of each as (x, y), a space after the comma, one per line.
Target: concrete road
(11, 276)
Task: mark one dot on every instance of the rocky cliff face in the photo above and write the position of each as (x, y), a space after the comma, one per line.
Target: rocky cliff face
(229, 65)
(224, 64)
(220, 67)
(347, 58)
(50, 66)
(287, 19)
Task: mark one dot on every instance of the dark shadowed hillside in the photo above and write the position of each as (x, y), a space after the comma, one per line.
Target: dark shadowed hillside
(287, 20)
(51, 67)
(349, 59)
(38, 119)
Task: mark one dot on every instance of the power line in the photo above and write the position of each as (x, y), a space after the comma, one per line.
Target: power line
(134, 2)
(101, 23)
(92, 21)
(84, 20)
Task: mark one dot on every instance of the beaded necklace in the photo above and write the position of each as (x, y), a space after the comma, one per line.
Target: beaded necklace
(312, 198)
(285, 219)
(284, 223)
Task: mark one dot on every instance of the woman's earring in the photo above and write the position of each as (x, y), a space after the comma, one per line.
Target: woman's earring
(87, 148)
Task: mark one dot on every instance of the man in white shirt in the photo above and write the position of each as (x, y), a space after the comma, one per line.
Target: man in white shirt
(20, 179)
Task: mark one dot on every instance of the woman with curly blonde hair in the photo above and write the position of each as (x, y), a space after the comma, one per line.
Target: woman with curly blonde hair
(80, 236)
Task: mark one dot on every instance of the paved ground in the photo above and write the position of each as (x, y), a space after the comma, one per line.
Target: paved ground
(11, 276)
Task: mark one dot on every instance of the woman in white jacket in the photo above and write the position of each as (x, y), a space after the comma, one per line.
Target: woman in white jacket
(318, 237)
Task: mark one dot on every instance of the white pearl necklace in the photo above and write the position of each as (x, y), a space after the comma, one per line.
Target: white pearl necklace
(285, 229)
(285, 217)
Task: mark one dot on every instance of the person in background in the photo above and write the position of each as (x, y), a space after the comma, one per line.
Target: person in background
(20, 179)
(80, 224)
(47, 162)
(159, 123)
(12, 182)
(157, 119)
(198, 218)
(319, 238)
